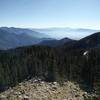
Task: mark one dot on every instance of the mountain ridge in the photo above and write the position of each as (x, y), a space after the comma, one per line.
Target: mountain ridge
(55, 43)
(16, 37)
(91, 41)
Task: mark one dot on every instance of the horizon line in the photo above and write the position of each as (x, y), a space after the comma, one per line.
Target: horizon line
(50, 27)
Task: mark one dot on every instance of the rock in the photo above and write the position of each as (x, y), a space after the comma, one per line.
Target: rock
(55, 83)
(26, 97)
(42, 82)
(17, 93)
(54, 87)
(85, 93)
(35, 81)
(3, 97)
(76, 95)
(20, 97)
(29, 90)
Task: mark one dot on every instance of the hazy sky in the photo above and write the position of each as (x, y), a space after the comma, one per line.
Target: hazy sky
(50, 13)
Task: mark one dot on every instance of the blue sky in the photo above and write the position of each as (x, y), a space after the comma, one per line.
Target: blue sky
(50, 13)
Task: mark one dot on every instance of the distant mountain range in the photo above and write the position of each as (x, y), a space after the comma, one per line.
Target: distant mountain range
(72, 33)
(55, 43)
(17, 37)
(25, 31)
(91, 41)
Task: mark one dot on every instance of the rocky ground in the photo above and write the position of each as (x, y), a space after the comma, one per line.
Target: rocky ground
(40, 90)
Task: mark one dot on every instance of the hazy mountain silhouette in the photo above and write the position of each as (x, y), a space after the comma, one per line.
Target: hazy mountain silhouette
(55, 43)
(24, 31)
(10, 40)
(91, 41)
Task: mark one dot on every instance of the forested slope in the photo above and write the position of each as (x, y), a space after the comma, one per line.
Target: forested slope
(50, 64)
